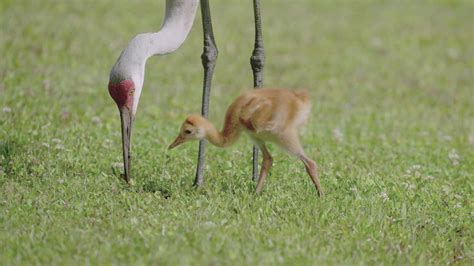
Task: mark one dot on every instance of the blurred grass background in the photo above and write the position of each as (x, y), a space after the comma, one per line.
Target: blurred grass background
(392, 129)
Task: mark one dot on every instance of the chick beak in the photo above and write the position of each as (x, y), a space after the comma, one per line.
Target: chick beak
(179, 140)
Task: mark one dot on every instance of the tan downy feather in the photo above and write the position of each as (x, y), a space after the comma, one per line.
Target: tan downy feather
(267, 115)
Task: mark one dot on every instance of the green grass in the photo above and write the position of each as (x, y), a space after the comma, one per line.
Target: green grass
(392, 130)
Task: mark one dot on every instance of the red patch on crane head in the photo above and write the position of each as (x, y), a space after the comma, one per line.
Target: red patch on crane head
(122, 93)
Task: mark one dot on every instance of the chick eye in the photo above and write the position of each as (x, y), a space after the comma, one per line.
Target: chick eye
(187, 131)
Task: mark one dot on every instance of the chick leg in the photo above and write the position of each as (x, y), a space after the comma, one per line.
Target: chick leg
(312, 170)
(290, 142)
(266, 165)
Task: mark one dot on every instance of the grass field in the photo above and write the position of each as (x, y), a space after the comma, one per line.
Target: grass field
(392, 130)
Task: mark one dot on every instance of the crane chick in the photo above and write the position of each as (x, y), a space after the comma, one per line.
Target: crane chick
(266, 115)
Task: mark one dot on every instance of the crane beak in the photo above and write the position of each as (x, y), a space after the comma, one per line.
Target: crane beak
(179, 140)
(126, 118)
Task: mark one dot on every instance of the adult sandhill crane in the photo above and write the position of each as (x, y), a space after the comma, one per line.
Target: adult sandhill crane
(266, 115)
(127, 75)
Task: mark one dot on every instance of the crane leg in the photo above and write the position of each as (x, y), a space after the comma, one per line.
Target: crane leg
(208, 57)
(257, 61)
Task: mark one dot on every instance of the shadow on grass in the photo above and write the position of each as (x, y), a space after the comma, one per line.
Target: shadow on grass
(7, 149)
(153, 186)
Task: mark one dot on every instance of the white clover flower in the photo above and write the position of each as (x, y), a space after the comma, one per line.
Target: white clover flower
(384, 196)
(59, 146)
(376, 42)
(471, 138)
(444, 137)
(446, 189)
(430, 177)
(134, 220)
(107, 143)
(338, 135)
(409, 186)
(7, 109)
(453, 53)
(209, 224)
(414, 170)
(117, 165)
(454, 157)
(96, 120)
